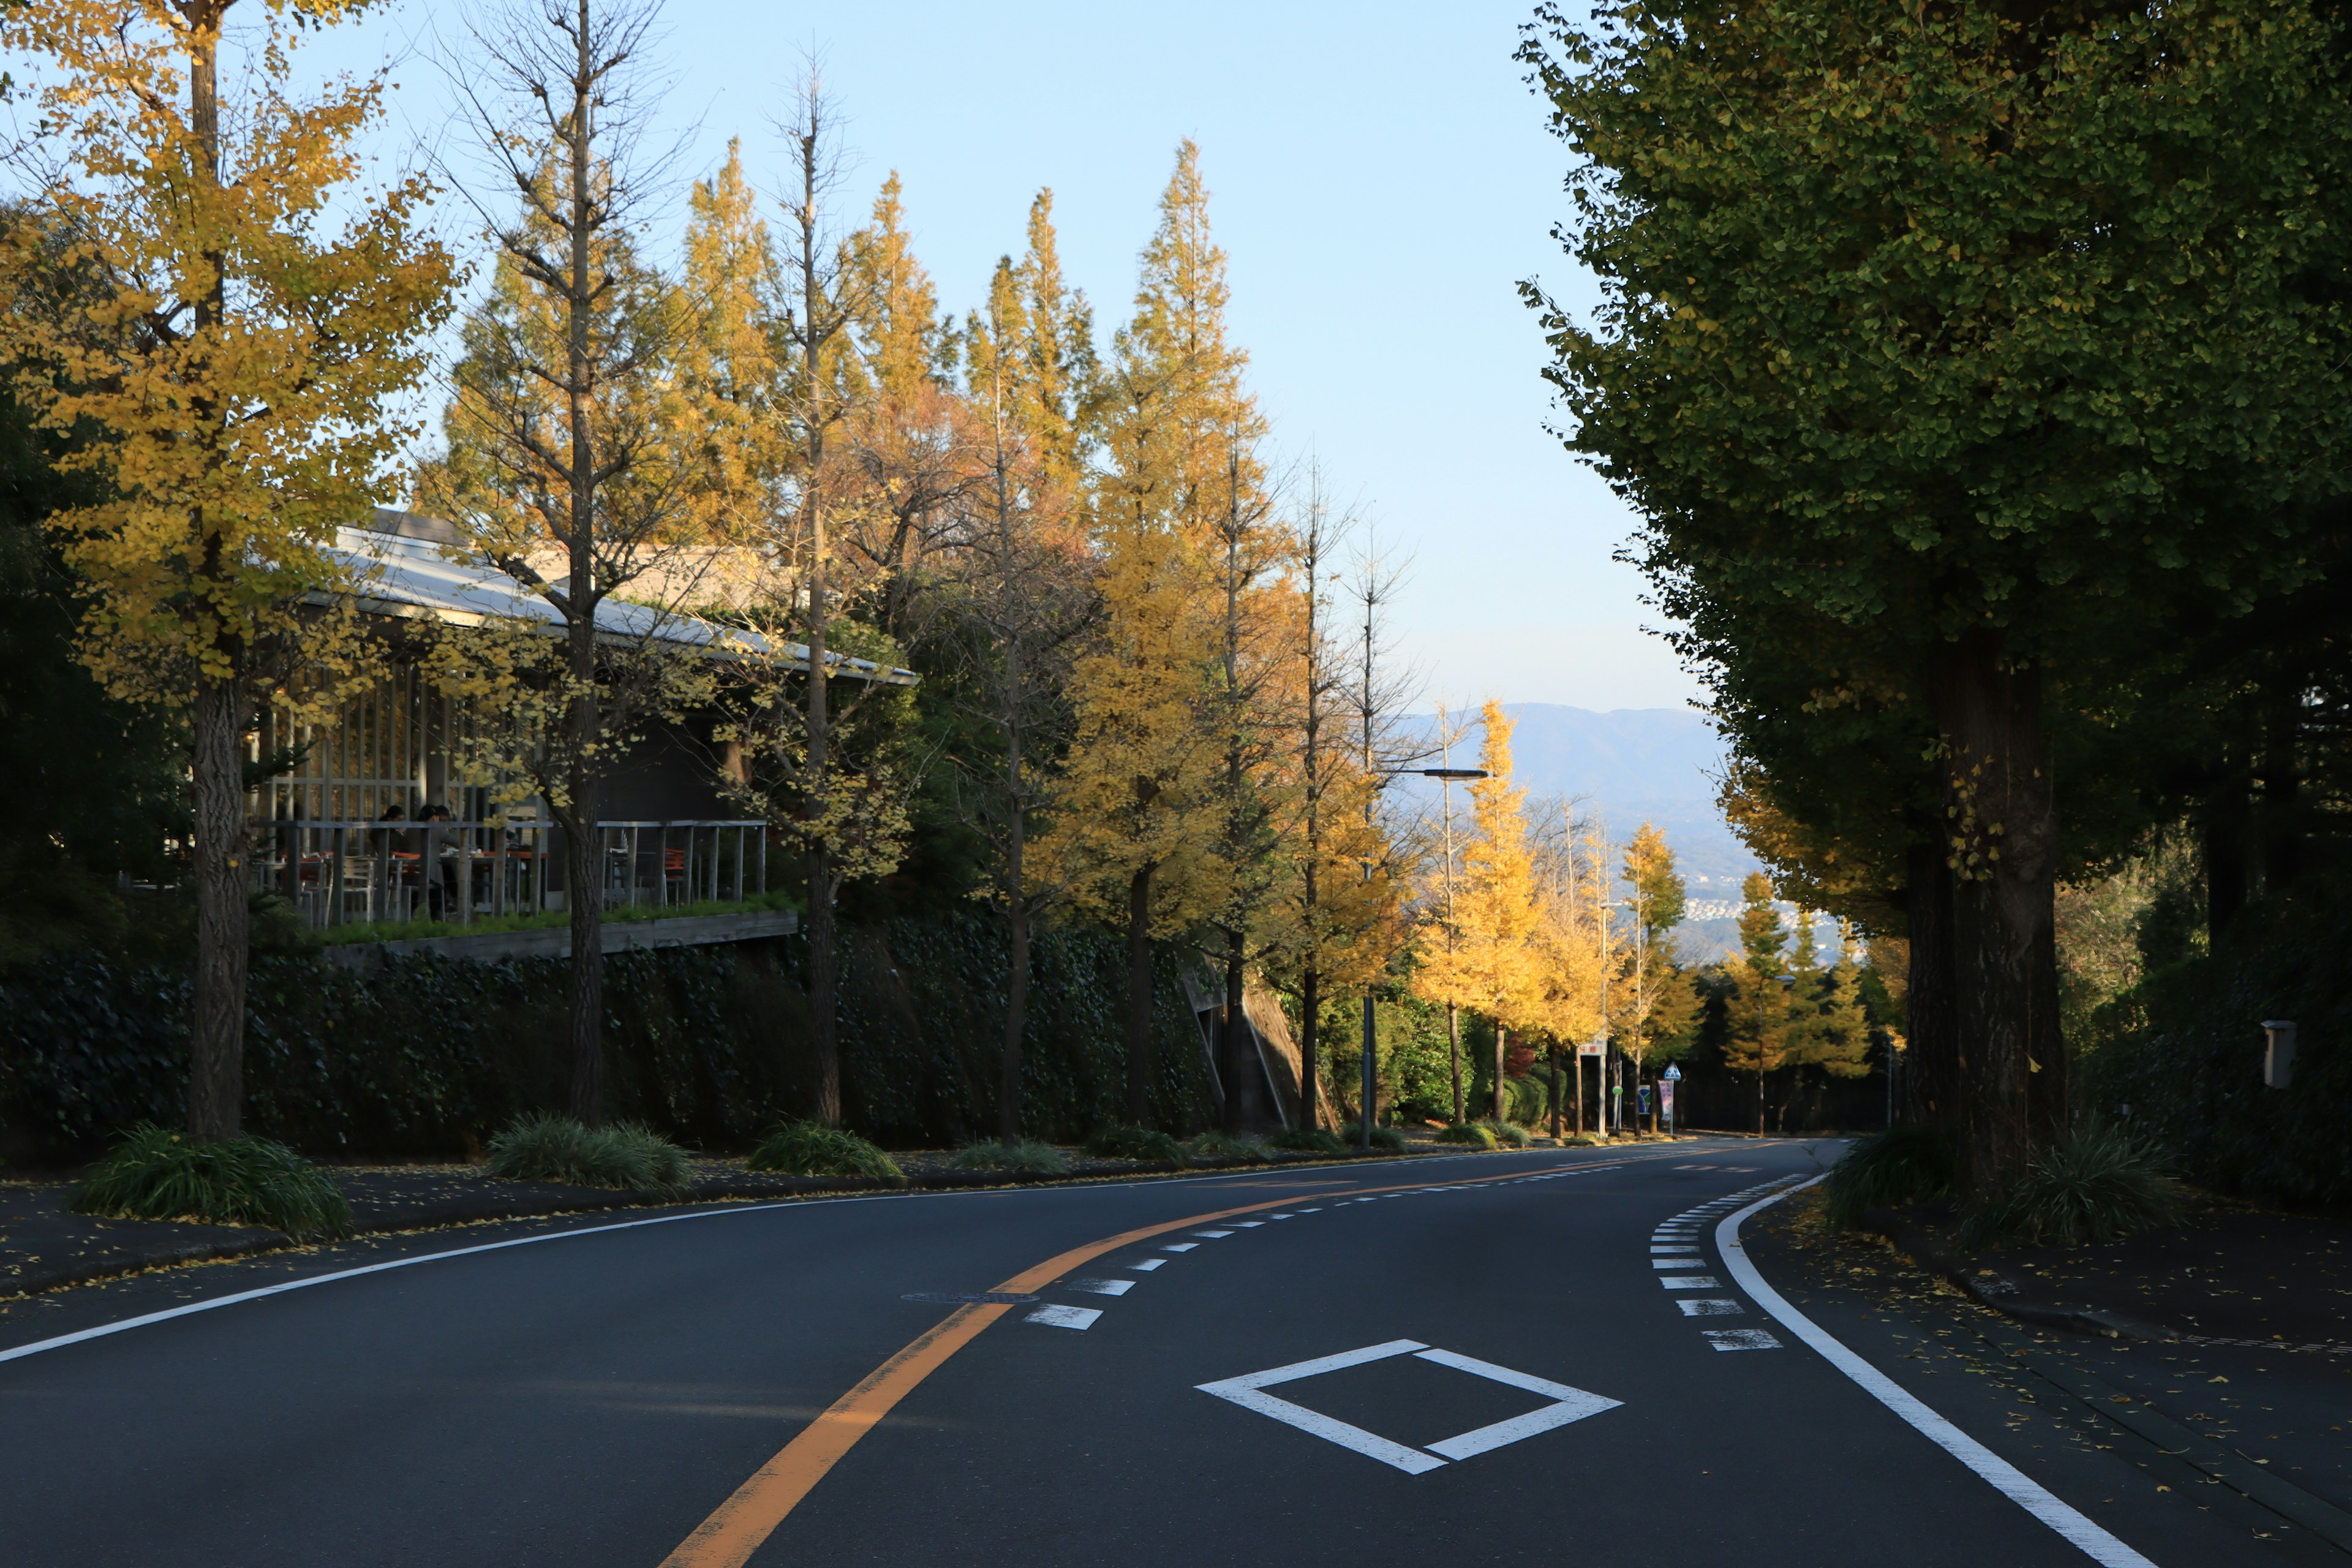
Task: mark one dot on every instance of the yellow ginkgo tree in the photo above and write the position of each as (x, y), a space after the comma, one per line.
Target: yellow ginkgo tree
(243, 321)
(1495, 963)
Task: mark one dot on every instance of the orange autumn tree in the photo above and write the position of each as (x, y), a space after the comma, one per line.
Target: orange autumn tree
(242, 316)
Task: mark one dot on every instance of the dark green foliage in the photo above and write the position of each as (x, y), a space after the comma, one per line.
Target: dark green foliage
(2179, 1058)
(2100, 1183)
(547, 1148)
(1215, 1145)
(1889, 1170)
(1311, 1140)
(1025, 1156)
(153, 1174)
(1387, 1138)
(89, 787)
(806, 1149)
(1478, 1133)
(1120, 1141)
(1528, 1100)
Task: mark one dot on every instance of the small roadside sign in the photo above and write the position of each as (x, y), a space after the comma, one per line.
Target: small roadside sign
(1589, 1048)
(1673, 1073)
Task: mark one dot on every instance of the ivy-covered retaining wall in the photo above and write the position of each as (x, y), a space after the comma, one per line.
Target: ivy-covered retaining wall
(428, 1056)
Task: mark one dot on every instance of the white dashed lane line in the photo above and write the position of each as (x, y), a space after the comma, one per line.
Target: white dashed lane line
(1082, 1317)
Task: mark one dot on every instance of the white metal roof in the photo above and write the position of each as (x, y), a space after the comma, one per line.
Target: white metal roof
(395, 574)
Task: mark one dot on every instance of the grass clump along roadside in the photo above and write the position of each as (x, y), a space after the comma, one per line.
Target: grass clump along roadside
(1473, 1132)
(1120, 1141)
(1215, 1145)
(2098, 1183)
(1308, 1140)
(156, 1174)
(807, 1149)
(1024, 1156)
(1889, 1170)
(545, 1147)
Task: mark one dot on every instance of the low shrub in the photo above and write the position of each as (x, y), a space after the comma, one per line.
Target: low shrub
(1025, 1156)
(1506, 1132)
(1887, 1169)
(154, 1174)
(1385, 1137)
(1477, 1132)
(806, 1149)
(1215, 1145)
(1308, 1140)
(544, 1147)
(2100, 1183)
(1120, 1141)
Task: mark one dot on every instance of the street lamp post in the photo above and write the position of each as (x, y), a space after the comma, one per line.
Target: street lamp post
(1447, 776)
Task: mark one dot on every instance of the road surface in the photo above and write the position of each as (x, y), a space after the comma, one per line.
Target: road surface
(1498, 1358)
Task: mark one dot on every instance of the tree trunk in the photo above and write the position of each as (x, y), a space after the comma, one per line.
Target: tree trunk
(2224, 829)
(824, 986)
(1138, 998)
(1310, 1005)
(2002, 835)
(583, 907)
(1931, 1065)
(1240, 1058)
(1502, 1043)
(1556, 1094)
(1016, 1004)
(216, 1031)
(1453, 1056)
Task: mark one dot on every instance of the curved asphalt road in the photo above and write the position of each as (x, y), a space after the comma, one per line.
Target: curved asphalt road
(591, 1399)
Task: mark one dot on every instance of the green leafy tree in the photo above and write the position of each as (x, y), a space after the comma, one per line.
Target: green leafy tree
(1936, 326)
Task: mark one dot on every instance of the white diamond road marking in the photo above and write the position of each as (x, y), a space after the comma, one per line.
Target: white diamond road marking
(1691, 1282)
(1066, 1317)
(1103, 1287)
(1568, 1405)
(1148, 1265)
(1711, 1306)
(1740, 1339)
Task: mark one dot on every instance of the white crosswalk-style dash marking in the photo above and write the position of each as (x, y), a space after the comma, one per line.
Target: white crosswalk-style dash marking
(1740, 1339)
(1066, 1317)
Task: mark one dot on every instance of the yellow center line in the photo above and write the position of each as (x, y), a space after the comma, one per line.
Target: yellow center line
(737, 1526)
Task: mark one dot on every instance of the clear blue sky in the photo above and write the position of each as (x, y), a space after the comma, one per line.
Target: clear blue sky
(1381, 177)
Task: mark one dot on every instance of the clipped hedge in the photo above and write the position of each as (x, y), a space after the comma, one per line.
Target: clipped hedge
(707, 1046)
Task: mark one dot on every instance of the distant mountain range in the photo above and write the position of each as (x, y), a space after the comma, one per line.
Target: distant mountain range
(1629, 766)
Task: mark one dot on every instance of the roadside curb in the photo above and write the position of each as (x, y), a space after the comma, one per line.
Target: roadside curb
(549, 1201)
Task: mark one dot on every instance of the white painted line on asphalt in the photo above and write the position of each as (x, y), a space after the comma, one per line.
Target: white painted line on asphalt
(1740, 1339)
(1691, 1282)
(1711, 1306)
(1306, 1211)
(1247, 1224)
(1574, 1404)
(2004, 1478)
(1179, 1246)
(1248, 1393)
(1103, 1287)
(1657, 1251)
(1148, 1265)
(1568, 1405)
(1065, 1317)
(1679, 1262)
(1212, 1234)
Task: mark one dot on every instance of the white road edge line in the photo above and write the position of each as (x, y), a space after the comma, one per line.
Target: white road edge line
(2004, 1478)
